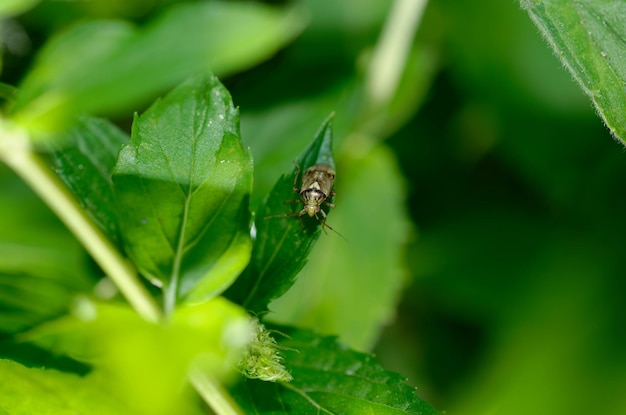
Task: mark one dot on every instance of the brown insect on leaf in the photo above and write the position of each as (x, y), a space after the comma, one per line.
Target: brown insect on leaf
(316, 188)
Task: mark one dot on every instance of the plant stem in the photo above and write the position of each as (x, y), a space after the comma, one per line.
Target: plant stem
(30, 167)
(213, 394)
(391, 52)
(16, 152)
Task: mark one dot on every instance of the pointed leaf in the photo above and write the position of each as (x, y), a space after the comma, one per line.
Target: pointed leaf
(588, 36)
(183, 184)
(282, 243)
(86, 165)
(359, 280)
(329, 378)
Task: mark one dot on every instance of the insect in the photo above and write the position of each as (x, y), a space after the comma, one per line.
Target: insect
(317, 186)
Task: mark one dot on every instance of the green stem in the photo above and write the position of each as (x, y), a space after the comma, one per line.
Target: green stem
(392, 50)
(169, 296)
(16, 152)
(213, 394)
(30, 167)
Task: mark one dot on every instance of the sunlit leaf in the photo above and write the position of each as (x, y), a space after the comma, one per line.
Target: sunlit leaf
(86, 165)
(183, 184)
(142, 363)
(28, 391)
(111, 66)
(14, 7)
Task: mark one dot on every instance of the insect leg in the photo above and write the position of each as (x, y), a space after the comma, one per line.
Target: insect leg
(295, 180)
(322, 221)
(281, 215)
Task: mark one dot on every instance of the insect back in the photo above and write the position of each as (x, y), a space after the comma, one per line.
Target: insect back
(316, 191)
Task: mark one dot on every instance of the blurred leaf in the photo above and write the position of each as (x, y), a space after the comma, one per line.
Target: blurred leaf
(351, 287)
(504, 63)
(570, 304)
(29, 299)
(42, 266)
(145, 364)
(86, 166)
(109, 66)
(347, 16)
(329, 378)
(10, 8)
(183, 185)
(28, 391)
(588, 36)
(282, 243)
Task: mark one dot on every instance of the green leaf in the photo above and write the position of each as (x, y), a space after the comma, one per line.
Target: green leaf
(111, 66)
(282, 243)
(145, 364)
(265, 132)
(29, 299)
(10, 8)
(42, 266)
(86, 165)
(588, 36)
(28, 391)
(183, 184)
(329, 378)
(359, 279)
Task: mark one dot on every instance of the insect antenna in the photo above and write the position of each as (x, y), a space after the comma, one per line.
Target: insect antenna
(325, 225)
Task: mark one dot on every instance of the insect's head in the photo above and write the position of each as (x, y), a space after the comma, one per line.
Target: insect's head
(311, 208)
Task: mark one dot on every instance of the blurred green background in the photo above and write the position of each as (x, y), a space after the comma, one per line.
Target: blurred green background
(509, 198)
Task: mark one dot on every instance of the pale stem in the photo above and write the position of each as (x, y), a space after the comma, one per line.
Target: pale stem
(392, 50)
(29, 166)
(16, 152)
(213, 394)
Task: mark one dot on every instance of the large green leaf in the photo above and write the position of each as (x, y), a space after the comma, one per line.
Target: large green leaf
(329, 378)
(111, 66)
(144, 364)
(588, 36)
(284, 242)
(350, 288)
(183, 184)
(28, 391)
(86, 165)
(10, 8)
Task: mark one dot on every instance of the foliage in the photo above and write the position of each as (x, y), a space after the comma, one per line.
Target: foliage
(164, 214)
(154, 263)
(588, 37)
(351, 383)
